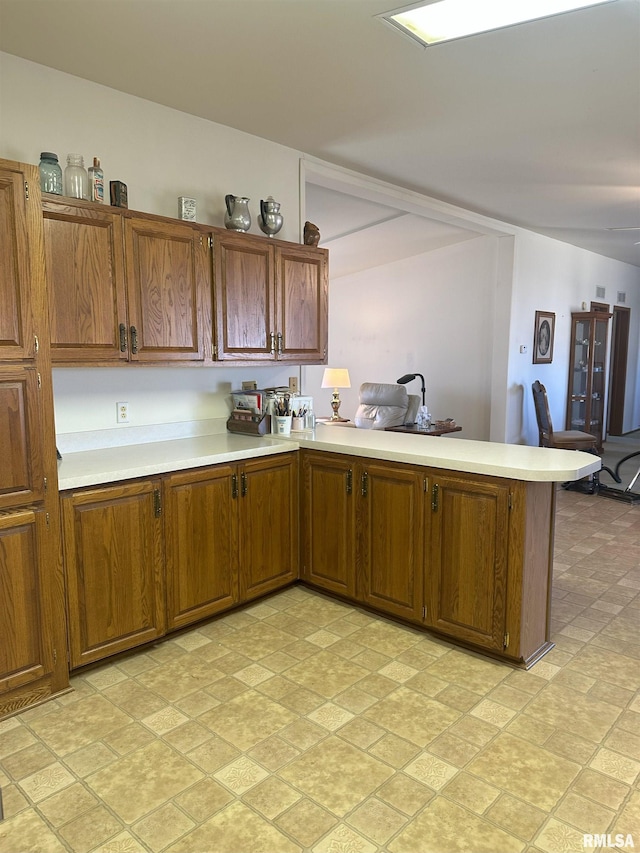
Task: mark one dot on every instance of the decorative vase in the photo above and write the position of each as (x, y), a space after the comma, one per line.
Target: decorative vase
(237, 217)
(270, 219)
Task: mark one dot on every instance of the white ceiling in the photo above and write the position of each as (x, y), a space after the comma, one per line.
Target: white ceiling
(537, 125)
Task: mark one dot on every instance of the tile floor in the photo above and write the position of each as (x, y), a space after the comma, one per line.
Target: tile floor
(302, 724)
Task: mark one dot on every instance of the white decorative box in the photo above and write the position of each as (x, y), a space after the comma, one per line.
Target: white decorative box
(187, 208)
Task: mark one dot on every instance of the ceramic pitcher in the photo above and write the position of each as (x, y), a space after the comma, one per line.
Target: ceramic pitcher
(237, 217)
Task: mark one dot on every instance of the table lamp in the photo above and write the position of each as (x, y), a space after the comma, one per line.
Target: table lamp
(336, 377)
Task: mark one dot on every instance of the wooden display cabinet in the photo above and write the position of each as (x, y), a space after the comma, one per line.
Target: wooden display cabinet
(588, 373)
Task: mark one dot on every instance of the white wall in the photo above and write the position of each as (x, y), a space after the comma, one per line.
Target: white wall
(553, 276)
(432, 313)
(457, 314)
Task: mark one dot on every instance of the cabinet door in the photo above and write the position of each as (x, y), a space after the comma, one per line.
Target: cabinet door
(301, 303)
(244, 298)
(268, 524)
(164, 291)
(87, 301)
(26, 649)
(328, 558)
(201, 542)
(16, 326)
(21, 471)
(391, 529)
(113, 558)
(467, 559)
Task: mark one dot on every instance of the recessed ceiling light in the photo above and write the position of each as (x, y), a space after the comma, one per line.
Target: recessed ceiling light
(444, 20)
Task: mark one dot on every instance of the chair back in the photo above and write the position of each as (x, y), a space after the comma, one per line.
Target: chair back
(381, 405)
(543, 416)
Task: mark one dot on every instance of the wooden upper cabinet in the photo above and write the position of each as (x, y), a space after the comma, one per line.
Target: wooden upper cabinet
(244, 298)
(301, 303)
(16, 326)
(271, 300)
(163, 270)
(21, 470)
(87, 300)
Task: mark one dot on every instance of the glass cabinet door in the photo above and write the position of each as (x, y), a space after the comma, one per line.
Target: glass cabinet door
(587, 374)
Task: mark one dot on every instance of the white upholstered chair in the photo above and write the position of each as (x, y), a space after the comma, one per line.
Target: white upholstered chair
(384, 405)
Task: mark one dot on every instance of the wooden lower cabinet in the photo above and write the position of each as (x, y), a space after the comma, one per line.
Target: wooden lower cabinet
(201, 543)
(327, 507)
(391, 537)
(363, 528)
(467, 556)
(28, 653)
(268, 524)
(113, 557)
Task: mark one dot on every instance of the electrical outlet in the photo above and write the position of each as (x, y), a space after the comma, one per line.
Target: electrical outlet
(122, 413)
(293, 384)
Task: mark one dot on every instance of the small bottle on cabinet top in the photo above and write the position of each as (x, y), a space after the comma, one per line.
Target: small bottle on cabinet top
(96, 182)
(76, 180)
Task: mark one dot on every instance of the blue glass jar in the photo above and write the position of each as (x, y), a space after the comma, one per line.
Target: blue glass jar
(50, 173)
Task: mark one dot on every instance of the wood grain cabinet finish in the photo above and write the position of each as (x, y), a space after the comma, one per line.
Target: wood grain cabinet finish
(17, 262)
(164, 264)
(391, 537)
(22, 479)
(201, 543)
(124, 287)
(271, 300)
(33, 661)
(29, 650)
(114, 565)
(87, 294)
(327, 510)
(268, 506)
(363, 525)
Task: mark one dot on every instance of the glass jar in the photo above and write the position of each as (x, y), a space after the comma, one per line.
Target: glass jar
(50, 173)
(76, 180)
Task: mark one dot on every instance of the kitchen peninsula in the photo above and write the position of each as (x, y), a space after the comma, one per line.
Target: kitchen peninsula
(454, 537)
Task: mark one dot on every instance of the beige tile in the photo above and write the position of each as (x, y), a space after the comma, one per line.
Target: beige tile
(204, 799)
(445, 827)
(412, 716)
(608, 666)
(405, 794)
(355, 700)
(584, 814)
(273, 753)
(28, 831)
(471, 792)
(616, 765)
(46, 782)
(602, 789)
(625, 742)
(516, 816)
(314, 773)
(386, 638)
(180, 677)
(272, 797)
(188, 736)
(89, 759)
(571, 746)
(247, 719)
(527, 771)
(90, 719)
(574, 712)
(235, 828)
(509, 696)
(330, 716)
(303, 733)
(394, 750)
(559, 837)
(129, 738)
(361, 732)
(453, 749)
(306, 822)
(431, 771)
(254, 674)
(326, 674)
(377, 821)
(493, 712)
(241, 775)
(301, 701)
(344, 838)
(89, 829)
(27, 761)
(628, 821)
(469, 671)
(67, 804)
(163, 826)
(164, 720)
(144, 780)
(197, 703)
(213, 754)
(530, 728)
(13, 801)
(14, 739)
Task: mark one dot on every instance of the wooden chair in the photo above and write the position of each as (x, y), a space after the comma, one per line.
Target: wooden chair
(567, 439)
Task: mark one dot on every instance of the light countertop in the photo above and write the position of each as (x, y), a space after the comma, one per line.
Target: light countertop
(513, 461)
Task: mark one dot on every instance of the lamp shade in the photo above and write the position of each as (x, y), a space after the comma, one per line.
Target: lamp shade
(336, 377)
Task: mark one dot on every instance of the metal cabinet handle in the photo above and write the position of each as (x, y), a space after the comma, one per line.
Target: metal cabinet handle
(273, 343)
(349, 481)
(134, 340)
(243, 487)
(364, 485)
(123, 337)
(279, 343)
(234, 485)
